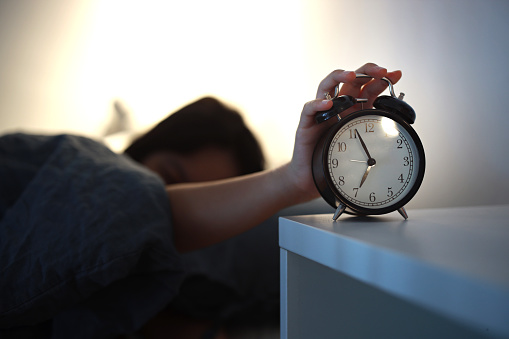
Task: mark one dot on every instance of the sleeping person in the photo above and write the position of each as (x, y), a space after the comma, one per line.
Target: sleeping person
(92, 242)
(236, 280)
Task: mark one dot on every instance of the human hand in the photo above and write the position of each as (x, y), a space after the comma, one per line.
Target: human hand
(366, 88)
(308, 132)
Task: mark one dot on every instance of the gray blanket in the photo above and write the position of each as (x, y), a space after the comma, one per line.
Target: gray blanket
(86, 246)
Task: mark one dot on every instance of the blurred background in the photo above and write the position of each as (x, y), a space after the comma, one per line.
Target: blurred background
(65, 66)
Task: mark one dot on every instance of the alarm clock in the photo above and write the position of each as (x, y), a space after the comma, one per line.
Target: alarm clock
(372, 161)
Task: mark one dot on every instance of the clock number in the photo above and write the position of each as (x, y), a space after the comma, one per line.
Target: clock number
(400, 178)
(390, 193)
(342, 147)
(335, 163)
(370, 127)
(341, 180)
(356, 190)
(406, 161)
(400, 143)
(372, 197)
(353, 135)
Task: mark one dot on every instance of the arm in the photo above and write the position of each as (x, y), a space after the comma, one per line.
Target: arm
(207, 213)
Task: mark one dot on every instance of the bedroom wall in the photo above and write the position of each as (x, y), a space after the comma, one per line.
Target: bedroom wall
(64, 63)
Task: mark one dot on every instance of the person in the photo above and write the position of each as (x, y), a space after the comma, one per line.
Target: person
(238, 278)
(196, 215)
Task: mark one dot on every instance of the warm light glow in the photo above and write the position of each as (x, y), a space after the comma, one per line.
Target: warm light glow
(266, 58)
(159, 55)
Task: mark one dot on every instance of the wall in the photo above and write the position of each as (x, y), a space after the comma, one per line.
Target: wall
(64, 63)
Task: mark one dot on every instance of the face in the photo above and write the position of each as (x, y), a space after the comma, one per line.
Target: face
(204, 165)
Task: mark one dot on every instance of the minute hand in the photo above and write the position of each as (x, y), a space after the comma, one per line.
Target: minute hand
(363, 144)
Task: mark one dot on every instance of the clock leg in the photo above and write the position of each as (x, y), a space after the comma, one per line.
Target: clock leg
(339, 211)
(403, 213)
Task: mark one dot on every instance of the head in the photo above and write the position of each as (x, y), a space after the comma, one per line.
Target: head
(205, 140)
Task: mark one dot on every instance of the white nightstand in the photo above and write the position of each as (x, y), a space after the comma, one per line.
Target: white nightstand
(443, 273)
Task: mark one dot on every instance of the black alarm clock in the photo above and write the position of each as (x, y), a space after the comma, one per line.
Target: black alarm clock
(371, 161)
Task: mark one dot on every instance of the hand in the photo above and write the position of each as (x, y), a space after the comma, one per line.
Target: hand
(365, 88)
(308, 132)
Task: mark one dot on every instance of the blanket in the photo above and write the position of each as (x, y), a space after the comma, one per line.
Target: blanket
(86, 247)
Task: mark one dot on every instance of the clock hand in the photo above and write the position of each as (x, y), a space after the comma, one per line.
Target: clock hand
(363, 144)
(371, 164)
(363, 161)
(365, 175)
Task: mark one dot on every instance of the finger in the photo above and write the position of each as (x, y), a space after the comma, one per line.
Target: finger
(310, 109)
(395, 76)
(354, 87)
(308, 130)
(372, 70)
(329, 83)
(375, 87)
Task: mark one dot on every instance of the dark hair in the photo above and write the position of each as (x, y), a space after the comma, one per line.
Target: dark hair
(206, 122)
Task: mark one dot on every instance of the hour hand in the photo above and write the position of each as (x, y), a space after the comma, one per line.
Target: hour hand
(365, 175)
(371, 164)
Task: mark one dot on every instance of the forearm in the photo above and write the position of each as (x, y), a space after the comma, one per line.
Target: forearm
(207, 213)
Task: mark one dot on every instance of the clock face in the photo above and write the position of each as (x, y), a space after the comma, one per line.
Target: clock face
(374, 163)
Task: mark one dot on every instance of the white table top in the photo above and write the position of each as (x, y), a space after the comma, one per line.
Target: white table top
(454, 261)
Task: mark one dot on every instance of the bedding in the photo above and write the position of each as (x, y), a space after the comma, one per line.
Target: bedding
(86, 247)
